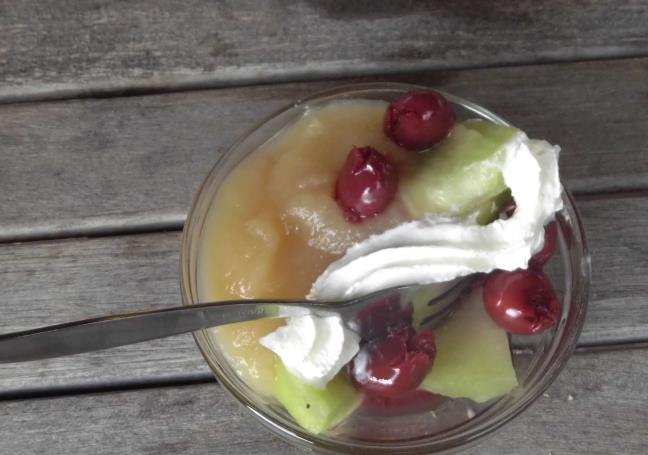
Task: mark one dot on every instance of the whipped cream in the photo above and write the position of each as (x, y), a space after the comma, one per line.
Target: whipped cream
(313, 348)
(438, 249)
(432, 250)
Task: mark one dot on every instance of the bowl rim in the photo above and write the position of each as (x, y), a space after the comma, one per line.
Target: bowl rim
(553, 364)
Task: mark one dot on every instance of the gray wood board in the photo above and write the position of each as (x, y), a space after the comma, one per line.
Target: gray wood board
(56, 281)
(596, 406)
(67, 48)
(134, 163)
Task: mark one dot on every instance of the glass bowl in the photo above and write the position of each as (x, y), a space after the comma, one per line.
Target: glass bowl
(454, 425)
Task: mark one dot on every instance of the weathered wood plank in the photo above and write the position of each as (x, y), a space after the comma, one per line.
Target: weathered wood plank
(67, 48)
(57, 281)
(76, 279)
(96, 166)
(596, 406)
(616, 233)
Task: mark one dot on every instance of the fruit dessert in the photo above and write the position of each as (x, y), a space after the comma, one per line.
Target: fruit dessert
(357, 196)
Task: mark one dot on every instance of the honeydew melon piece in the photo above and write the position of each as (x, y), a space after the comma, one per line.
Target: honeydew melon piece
(315, 410)
(461, 175)
(473, 357)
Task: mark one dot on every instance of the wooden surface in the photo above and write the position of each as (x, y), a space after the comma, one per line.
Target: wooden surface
(595, 407)
(112, 112)
(62, 280)
(67, 48)
(134, 163)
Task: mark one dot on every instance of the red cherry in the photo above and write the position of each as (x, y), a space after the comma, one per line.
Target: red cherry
(423, 342)
(548, 249)
(366, 184)
(385, 316)
(521, 302)
(507, 210)
(395, 365)
(418, 120)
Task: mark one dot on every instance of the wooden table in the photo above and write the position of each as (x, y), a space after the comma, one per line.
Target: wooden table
(111, 113)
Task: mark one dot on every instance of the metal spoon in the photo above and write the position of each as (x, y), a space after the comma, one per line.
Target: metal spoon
(360, 314)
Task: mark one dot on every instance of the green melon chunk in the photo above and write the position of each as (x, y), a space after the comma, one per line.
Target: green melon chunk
(494, 133)
(461, 175)
(489, 211)
(314, 409)
(421, 297)
(473, 356)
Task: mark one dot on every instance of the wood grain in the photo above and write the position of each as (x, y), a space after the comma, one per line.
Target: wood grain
(58, 281)
(51, 282)
(66, 48)
(616, 234)
(130, 164)
(596, 407)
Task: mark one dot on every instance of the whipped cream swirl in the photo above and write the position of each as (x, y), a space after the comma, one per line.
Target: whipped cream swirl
(439, 249)
(313, 348)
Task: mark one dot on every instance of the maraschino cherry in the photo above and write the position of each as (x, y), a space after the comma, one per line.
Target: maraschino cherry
(521, 302)
(366, 184)
(379, 319)
(395, 365)
(507, 210)
(548, 249)
(418, 120)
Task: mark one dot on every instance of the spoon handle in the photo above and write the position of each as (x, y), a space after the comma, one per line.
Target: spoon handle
(128, 328)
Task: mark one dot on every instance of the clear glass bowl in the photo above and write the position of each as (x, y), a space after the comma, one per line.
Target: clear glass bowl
(456, 424)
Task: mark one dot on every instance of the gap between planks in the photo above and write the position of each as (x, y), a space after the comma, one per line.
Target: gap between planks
(115, 386)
